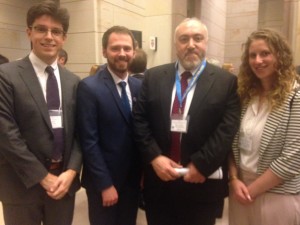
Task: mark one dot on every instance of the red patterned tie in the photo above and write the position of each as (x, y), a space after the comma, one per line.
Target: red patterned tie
(175, 142)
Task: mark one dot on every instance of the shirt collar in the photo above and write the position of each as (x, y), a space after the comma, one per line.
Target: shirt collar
(39, 64)
(181, 70)
(116, 78)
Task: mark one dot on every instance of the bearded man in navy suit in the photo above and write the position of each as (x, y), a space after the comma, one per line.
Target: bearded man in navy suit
(111, 171)
(186, 116)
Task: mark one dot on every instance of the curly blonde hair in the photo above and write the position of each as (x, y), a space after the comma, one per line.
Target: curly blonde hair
(249, 85)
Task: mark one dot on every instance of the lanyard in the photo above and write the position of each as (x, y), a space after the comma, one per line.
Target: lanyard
(182, 96)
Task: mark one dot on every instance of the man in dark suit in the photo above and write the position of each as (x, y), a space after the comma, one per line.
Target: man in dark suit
(186, 117)
(39, 156)
(111, 170)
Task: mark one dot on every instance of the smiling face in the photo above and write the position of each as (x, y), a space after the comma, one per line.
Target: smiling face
(46, 45)
(191, 43)
(119, 53)
(262, 61)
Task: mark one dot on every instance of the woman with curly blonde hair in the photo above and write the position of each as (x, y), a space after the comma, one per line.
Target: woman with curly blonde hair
(264, 167)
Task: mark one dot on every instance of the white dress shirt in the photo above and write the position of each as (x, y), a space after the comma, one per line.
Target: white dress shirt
(117, 80)
(251, 131)
(39, 67)
(190, 94)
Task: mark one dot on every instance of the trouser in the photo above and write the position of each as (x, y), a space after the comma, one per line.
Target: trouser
(267, 209)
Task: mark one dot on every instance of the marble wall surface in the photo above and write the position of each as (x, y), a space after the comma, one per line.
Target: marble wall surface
(241, 20)
(229, 23)
(13, 39)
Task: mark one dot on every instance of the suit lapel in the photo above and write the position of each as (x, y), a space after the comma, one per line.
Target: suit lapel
(166, 85)
(31, 81)
(109, 82)
(274, 119)
(270, 128)
(203, 85)
(66, 90)
(236, 140)
(134, 90)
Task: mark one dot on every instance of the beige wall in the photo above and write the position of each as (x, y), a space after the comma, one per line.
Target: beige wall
(271, 18)
(213, 14)
(291, 26)
(229, 23)
(296, 48)
(82, 43)
(284, 17)
(13, 39)
(241, 20)
(91, 18)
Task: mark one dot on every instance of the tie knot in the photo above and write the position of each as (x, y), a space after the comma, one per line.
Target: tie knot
(186, 75)
(122, 84)
(49, 70)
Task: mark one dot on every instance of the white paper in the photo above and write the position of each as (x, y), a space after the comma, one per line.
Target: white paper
(218, 174)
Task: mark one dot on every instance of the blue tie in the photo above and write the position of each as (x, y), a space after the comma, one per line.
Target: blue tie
(125, 99)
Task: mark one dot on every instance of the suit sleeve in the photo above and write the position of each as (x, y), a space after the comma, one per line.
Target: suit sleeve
(76, 157)
(287, 164)
(216, 148)
(87, 118)
(142, 127)
(75, 160)
(13, 146)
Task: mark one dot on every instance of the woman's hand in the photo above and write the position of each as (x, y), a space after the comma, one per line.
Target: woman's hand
(240, 192)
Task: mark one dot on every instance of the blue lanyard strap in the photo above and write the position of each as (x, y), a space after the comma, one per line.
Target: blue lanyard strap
(182, 96)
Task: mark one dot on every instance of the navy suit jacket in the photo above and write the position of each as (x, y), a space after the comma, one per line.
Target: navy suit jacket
(214, 120)
(106, 135)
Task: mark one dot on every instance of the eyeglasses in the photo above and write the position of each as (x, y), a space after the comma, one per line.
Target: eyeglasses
(55, 32)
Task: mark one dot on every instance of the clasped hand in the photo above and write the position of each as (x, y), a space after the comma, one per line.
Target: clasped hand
(57, 186)
(164, 168)
(240, 192)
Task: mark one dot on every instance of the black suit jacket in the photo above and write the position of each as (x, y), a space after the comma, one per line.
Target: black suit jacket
(26, 138)
(214, 120)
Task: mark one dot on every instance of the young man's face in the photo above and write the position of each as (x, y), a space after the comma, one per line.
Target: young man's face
(119, 53)
(45, 43)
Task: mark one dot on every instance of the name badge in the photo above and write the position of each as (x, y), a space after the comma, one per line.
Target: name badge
(56, 118)
(179, 123)
(245, 143)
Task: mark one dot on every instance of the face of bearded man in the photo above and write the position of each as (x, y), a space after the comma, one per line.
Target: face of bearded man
(191, 44)
(119, 53)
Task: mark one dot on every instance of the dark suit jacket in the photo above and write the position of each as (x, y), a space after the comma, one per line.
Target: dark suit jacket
(214, 119)
(106, 136)
(26, 138)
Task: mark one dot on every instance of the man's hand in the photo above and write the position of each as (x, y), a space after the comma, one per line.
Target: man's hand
(63, 183)
(164, 168)
(49, 183)
(109, 196)
(193, 176)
